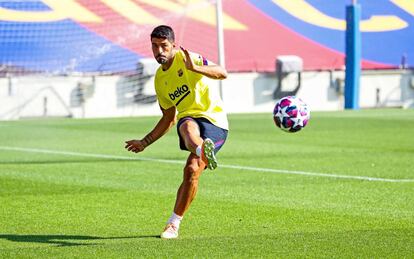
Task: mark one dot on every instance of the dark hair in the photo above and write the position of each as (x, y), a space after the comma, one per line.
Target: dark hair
(163, 31)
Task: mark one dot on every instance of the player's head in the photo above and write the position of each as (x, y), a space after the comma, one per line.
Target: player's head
(163, 43)
(163, 32)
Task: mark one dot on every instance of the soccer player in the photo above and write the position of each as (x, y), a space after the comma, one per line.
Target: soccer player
(184, 95)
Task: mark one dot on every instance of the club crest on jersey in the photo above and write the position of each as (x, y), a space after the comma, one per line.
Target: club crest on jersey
(180, 72)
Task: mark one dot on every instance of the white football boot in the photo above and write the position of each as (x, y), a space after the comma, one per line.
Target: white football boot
(170, 232)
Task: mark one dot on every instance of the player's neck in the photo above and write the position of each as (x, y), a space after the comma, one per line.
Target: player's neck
(167, 65)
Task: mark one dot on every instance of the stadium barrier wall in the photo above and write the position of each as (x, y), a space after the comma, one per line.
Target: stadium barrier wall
(120, 96)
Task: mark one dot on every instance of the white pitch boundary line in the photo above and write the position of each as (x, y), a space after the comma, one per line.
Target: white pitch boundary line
(246, 168)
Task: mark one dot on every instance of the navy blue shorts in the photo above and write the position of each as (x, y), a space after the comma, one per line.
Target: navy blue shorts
(207, 130)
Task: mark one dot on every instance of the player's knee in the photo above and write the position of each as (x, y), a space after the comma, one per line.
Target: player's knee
(189, 128)
(186, 128)
(191, 173)
(191, 170)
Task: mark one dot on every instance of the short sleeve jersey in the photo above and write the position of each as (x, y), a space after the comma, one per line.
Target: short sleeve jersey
(188, 92)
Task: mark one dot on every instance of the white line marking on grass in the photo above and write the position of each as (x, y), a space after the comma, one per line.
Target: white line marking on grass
(246, 168)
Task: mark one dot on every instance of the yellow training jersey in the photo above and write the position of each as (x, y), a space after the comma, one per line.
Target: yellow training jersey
(188, 92)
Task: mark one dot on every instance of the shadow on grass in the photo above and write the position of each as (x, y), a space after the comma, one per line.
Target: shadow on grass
(64, 240)
(73, 161)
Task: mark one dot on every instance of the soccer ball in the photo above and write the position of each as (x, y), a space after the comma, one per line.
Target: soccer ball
(291, 114)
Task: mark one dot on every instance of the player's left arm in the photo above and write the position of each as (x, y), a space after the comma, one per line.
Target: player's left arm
(210, 70)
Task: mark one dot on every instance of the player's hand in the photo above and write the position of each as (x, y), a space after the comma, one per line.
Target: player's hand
(189, 63)
(135, 145)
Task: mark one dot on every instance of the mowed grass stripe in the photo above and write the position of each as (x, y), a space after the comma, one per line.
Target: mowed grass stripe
(171, 161)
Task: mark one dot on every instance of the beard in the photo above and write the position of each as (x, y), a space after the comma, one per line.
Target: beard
(161, 60)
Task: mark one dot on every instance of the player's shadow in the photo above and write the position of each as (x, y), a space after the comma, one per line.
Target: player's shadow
(64, 240)
(69, 161)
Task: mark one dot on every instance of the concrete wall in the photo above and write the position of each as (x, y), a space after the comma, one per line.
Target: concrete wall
(115, 96)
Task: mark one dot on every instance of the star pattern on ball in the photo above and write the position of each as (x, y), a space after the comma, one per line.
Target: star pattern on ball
(291, 114)
(281, 113)
(298, 120)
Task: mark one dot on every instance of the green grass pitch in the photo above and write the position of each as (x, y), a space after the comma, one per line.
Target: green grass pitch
(342, 187)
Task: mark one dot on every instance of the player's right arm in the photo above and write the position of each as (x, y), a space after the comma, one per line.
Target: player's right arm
(167, 120)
